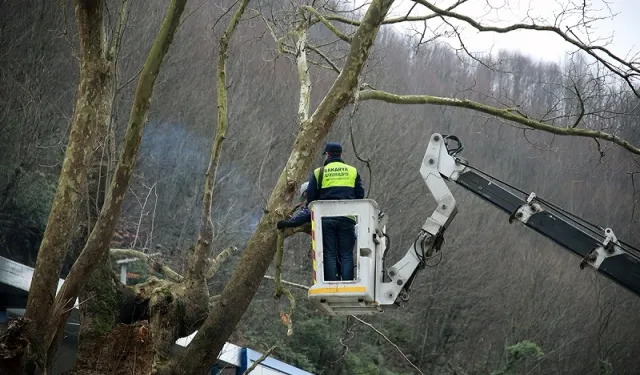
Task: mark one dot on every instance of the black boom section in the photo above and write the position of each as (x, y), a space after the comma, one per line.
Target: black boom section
(490, 192)
(563, 233)
(624, 269)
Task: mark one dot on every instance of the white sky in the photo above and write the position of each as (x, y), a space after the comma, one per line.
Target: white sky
(622, 31)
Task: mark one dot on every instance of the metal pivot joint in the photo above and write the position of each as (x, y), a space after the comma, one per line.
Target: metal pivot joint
(437, 165)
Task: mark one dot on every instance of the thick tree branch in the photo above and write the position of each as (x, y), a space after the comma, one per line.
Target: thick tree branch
(198, 261)
(154, 264)
(219, 260)
(504, 113)
(70, 192)
(388, 21)
(326, 22)
(303, 69)
(118, 31)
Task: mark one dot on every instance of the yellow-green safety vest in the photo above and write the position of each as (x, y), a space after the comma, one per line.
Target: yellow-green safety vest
(337, 174)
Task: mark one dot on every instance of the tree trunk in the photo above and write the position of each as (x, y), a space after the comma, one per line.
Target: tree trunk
(39, 333)
(92, 93)
(98, 242)
(124, 350)
(255, 260)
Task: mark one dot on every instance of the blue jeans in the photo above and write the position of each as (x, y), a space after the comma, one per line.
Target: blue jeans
(338, 239)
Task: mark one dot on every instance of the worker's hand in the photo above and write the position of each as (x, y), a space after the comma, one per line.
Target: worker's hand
(282, 224)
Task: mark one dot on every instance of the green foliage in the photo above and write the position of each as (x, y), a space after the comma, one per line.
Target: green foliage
(605, 367)
(322, 344)
(517, 354)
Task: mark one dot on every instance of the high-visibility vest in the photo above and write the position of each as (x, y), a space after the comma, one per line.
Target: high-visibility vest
(334, 175)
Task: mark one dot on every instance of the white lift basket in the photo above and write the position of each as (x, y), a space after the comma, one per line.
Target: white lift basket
(375, 284)
(358, 296)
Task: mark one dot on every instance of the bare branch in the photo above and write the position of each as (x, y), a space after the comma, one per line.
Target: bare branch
(118, 33)
(324, 57)
(292, 284)
(388, 340)
(504, 113)
(303, 70)
(326, 22)
(388, 21)
(197, 262)
(632, 68)
(260, 360)
(154, 264)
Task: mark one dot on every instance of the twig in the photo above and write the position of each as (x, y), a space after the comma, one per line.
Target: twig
(353, 144)
(632, 69)
(262, 358)
(325, 57)
(146, 199)
(295, 285)
(153, 218)
(389, 341)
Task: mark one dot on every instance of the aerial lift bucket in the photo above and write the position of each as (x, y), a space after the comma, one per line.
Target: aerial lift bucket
(350, 297)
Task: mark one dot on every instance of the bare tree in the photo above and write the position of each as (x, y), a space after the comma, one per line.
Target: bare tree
(180, 304)
(92, 116)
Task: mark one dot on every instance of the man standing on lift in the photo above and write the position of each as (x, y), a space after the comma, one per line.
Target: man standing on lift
(336, 180)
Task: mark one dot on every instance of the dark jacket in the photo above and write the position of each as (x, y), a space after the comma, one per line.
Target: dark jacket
(304, 215)
(300, 218)
(334, 193)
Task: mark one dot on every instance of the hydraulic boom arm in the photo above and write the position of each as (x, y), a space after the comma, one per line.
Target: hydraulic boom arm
(597, 247)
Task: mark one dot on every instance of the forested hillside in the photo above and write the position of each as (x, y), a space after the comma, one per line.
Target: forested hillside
(499, 288)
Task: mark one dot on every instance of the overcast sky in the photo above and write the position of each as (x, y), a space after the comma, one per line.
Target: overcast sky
(624, 28)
